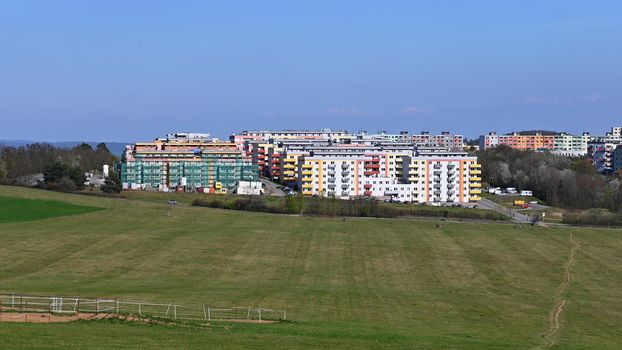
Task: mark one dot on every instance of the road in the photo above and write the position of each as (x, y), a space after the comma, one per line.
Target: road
(515, 215)
(270, 188)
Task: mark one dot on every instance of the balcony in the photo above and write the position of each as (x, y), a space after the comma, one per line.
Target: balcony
(330, 193)
(375, 159)
(289, 172)
(438, 173)
(331, 173)
(344, 186)
(451, 166)
(437, 193)
(345, 193)
(476, 165)
(307, 185)
(331, 166)
(289, 166)
(371, 172)
(437, 166)
(261, 150)
(475, 172)
(307, 166)
(475, 192)
(307, 172)
(307, 193)
(345, 165)
(275, 161)
(475, 184)
(331, 186)
(331, 179)
(437, 185)
(475, 178)
(367, 186)
(475, 199)
(391, 193)
(345, 173)
(367, 193)
(372, 166)
(450, 185)
(306, 179)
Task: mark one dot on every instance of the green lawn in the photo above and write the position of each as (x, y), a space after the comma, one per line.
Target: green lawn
(21, 209)
(358, 283)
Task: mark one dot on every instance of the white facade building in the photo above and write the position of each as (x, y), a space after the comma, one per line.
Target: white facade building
(405, 176)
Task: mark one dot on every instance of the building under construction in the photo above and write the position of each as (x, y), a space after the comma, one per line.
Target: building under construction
(185, 162)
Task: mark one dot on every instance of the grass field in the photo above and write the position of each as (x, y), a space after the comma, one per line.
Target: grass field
(358, 283)
(20, 209)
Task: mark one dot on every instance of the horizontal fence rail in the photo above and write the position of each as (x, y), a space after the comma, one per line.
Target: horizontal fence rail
(26, 303)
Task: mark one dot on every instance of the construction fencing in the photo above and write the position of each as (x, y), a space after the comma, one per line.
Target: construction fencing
(14, 302)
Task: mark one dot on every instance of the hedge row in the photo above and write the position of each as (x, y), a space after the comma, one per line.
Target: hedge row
(348, 208)
(593, 217)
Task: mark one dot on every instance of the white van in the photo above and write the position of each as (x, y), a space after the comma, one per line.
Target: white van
(526, 193)
(494, 189)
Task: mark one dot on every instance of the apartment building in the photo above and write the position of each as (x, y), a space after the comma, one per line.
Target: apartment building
(601, 150)
(322, 134)
(532, 142)
(445, 177)
(445, 140)
(617, 159)
(571, 145)
(182, 161)
(351, 173)
(601, 153)
(398, 174)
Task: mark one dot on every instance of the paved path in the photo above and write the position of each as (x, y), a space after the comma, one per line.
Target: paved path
(513, 214)
(271, 189)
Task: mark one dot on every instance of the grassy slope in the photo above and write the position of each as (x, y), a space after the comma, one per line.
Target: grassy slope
(362, 283)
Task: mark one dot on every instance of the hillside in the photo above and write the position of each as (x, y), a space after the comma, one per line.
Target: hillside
(358, 283)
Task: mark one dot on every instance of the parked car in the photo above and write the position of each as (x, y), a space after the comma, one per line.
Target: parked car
(172, 201)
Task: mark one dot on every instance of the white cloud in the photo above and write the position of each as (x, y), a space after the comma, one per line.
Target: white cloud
(344, 111)
(415, 110)
(563, 101)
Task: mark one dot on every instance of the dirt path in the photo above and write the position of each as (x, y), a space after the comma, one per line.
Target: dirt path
(34, 316)
(559, 301)
(46, 317)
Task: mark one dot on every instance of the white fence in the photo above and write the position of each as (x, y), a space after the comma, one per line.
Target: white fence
(14, 302)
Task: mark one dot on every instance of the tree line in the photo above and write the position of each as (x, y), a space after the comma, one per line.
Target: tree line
(563, 182)
(62, 168)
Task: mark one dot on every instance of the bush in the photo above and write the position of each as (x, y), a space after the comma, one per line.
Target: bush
(331, 207)
(593, 217)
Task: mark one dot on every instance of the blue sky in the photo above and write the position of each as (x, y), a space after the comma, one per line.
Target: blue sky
(134, 70)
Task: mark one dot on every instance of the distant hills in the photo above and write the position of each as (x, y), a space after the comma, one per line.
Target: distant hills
(115, 147)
